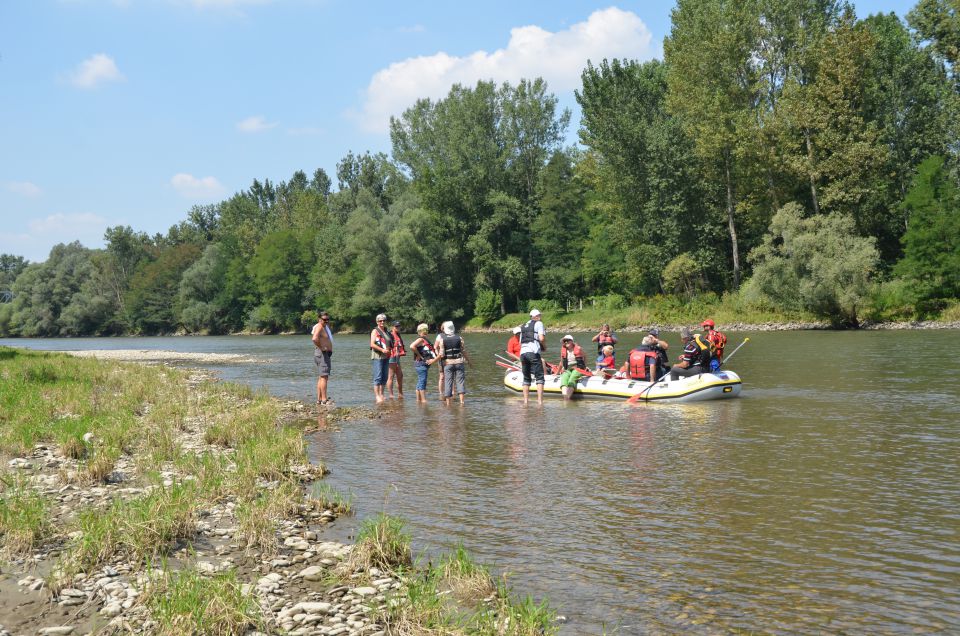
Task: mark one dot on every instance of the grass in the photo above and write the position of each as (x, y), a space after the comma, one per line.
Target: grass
(658, 310)
(382, 542)
(323, 497)
(24, 516)
(186, 603)
(457, 596)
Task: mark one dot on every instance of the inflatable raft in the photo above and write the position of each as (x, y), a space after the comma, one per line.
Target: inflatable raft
(706, 386)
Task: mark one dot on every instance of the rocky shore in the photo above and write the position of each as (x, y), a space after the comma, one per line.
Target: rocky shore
(245, 552)
(292, 584)
(748, 327)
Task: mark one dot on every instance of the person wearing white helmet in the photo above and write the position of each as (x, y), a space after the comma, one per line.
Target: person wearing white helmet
(454, 353)
(532, 339)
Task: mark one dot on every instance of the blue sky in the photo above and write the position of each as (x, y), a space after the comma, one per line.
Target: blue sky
(129, 112)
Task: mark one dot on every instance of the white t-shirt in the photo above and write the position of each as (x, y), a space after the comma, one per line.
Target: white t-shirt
(534, 347)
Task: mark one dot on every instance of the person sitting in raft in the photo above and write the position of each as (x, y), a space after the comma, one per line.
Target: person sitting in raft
(607, 362)
(695, 358)
(717, 339)
(604, 338)
(513, 345)
(642, 362)
(571, 355)
(569, 379)
(661, 345)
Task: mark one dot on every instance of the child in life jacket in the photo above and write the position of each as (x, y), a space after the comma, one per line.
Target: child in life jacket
(606, 361)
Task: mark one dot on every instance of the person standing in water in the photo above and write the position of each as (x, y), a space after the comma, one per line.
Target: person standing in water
(322, 337)
(381, 342)
(424, 355)
(454, 353)
(397, 351)
(532, 339)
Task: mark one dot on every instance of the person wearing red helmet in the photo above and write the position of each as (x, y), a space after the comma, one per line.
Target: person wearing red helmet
(718, 340)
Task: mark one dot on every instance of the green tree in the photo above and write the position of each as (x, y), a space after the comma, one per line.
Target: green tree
(932, 241)
(152, 299)
(280, 268)
(712, 80)
(43, 291)
(200, 287)
(817, 264)
(10, 267)
(938, 22)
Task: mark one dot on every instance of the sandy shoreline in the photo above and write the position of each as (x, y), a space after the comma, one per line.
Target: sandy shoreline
(150, 355)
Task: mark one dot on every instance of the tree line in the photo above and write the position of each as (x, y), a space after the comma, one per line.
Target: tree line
(784, 152)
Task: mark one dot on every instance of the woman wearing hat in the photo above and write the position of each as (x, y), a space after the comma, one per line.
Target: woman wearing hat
(571, 355)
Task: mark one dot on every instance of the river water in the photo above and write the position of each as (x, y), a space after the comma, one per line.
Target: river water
(825, 499)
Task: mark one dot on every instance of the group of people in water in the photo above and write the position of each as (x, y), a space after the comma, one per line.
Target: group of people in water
(702, 353)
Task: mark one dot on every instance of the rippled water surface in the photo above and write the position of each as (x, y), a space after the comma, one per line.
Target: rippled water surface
(825, 498)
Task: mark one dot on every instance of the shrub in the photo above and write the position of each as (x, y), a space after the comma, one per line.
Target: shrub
(488, 305)
(683, 276)
(818, 264)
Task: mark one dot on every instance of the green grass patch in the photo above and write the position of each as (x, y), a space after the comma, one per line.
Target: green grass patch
(324, 497)
(24, 516)
(186, 603)
(382, 542)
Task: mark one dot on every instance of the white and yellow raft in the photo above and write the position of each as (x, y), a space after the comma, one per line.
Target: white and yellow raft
(706, 386)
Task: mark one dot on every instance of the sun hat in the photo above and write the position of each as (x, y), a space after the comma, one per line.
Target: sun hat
(534, 313)
(566, 337)
(517, 330)
(448, 328)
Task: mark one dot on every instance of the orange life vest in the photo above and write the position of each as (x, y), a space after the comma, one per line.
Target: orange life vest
(638, 364)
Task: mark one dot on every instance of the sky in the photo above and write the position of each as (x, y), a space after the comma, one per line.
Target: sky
(130, 112)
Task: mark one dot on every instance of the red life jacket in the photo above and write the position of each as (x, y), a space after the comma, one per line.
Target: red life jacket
(719, 342)
(638, 364)
(397, 350)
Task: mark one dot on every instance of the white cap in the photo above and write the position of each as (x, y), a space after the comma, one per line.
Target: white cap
(534, 313)
(448, 328)
(566, 337)
(517, 330)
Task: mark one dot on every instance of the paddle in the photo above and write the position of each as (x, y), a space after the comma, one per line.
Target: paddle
(732, 353)
(507, 366)
(636, 397)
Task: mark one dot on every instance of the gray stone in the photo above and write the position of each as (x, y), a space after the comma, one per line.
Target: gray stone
(55, 631)
(111, 609)
(312, 573)
(364, 591)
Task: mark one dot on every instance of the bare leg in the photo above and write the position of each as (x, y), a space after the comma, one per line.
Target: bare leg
(390, 379)
(526, 394)
(322, 388)
(398, 376)
(539, 394)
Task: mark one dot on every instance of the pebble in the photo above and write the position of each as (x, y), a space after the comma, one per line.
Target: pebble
(55, 631)
(111, 609)
(20, 463)
(312, 573)
(364, 591)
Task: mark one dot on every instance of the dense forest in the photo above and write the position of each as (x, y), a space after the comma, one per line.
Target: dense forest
(784, 153)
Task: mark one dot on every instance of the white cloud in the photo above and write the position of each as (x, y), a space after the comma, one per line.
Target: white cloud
(37, 236)
(191, 187)
(23, 188)
(255, 124)
(532, 52)
(96, 70)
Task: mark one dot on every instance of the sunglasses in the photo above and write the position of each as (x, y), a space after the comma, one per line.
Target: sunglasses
(325, 318)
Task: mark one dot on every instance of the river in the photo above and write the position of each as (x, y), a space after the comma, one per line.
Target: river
(825, 499)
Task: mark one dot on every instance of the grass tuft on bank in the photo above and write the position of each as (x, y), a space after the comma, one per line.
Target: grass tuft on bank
(185, 603)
